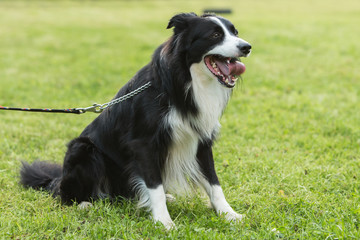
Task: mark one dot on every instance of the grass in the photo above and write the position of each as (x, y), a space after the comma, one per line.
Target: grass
(289, 152)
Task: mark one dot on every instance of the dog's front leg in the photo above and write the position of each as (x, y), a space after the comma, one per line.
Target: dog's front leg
(148, 183)
(158, 207)
(220, 204)
(211, 184)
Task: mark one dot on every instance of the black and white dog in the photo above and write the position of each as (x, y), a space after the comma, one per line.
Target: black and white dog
(161, 139)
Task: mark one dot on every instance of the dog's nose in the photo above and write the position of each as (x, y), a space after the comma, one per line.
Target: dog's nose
(244, 48)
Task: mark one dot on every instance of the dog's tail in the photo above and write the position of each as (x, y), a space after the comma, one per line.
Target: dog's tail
(41, 176)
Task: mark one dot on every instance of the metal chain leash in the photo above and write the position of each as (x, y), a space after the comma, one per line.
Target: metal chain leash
(98, 108)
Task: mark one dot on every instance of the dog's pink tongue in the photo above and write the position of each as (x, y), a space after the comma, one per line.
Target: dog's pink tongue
(233, 68)
(237, 68)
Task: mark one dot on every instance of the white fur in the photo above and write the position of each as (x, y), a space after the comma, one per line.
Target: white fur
(211, 98)
(158, 207)
(142, 192)
(228, 48)
(181, 164)
(84, 205)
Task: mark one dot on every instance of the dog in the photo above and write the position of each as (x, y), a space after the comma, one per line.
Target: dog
(160, 140)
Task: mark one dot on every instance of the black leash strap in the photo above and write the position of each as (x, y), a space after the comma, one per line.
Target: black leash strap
(70, 110)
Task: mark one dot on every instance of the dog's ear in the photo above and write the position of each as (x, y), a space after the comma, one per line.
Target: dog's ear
(180, 21)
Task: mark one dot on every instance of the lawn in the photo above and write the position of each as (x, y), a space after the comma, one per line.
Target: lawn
(289, 152)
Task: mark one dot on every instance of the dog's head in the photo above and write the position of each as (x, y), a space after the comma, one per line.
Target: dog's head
(211, 45)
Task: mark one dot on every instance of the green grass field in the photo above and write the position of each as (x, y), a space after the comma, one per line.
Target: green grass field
(289, 152)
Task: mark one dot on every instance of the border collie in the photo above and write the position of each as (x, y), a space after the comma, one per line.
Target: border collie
(160, 140)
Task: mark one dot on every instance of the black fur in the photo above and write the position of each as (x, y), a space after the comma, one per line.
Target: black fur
(39, 174)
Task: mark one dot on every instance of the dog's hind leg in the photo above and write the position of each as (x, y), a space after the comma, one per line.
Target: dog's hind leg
(212, 186)
(84, 205)
(82, 172)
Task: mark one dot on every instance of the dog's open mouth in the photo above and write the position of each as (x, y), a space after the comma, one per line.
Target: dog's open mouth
(225, 69)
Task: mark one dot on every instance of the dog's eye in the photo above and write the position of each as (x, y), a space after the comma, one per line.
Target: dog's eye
(216, 35)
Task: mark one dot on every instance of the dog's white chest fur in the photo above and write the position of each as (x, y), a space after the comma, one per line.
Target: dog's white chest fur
(181, 164)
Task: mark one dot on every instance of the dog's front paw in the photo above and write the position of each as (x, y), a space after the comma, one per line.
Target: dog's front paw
(233, 217)
(168, 223)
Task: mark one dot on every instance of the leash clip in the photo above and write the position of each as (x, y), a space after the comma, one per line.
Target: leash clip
(95, 108)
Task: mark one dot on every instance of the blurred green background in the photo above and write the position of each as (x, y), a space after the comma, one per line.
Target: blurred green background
(288, 155)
